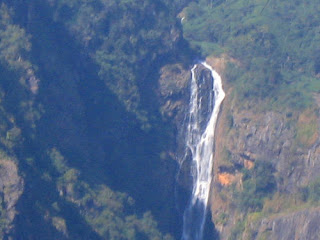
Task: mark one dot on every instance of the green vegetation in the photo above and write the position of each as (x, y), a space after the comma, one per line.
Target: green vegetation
(222, 218)
(273, 48)
(279, 204)
(124, 38)
(237, 230)
(81, 196)
(307, 128)
(258, 184)
(254, 198)
(311, 193)
(122, 45)
(14, 43)
(109, 213)
(275, 43)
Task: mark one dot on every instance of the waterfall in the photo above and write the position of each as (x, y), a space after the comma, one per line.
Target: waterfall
(203, 114)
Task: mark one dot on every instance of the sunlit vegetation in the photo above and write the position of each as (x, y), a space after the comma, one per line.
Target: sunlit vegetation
(259, 183)
(14, 43)
(276, 44)
(307, 128)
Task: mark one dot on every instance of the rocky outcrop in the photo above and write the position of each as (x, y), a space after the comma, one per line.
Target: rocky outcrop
(298, 225)
(246, 133)
(174, 96)
(288, 140)
(174, 91)
(11, 188)
(271, 137)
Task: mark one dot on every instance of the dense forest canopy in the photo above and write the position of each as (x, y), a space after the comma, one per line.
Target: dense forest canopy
(276, 44)
(124, 38)
(82, 68)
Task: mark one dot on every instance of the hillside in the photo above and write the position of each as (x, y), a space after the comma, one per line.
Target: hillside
(82, 146)
(93, 103)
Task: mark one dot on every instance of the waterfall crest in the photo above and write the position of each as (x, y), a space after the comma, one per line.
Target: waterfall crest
(203, 114)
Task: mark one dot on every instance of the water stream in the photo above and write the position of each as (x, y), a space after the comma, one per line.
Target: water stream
(203, 114)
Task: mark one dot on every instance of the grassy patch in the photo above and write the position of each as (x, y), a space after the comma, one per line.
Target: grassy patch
(237, 230)
(307, 128)
(225, 158)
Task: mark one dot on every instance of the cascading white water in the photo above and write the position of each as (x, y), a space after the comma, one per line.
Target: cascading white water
(200, 142)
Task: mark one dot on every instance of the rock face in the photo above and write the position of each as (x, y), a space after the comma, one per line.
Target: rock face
(174, 92)
(299, 225)
(271, 137)
(289, 142)
(246, 134)
(174, 96)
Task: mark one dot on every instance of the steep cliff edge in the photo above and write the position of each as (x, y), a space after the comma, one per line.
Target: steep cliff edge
(265, 162)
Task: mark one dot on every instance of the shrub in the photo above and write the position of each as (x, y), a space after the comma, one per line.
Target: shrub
(258, 183)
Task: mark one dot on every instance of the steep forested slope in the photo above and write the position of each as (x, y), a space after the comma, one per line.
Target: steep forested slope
(124, 38)
(76, 87)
